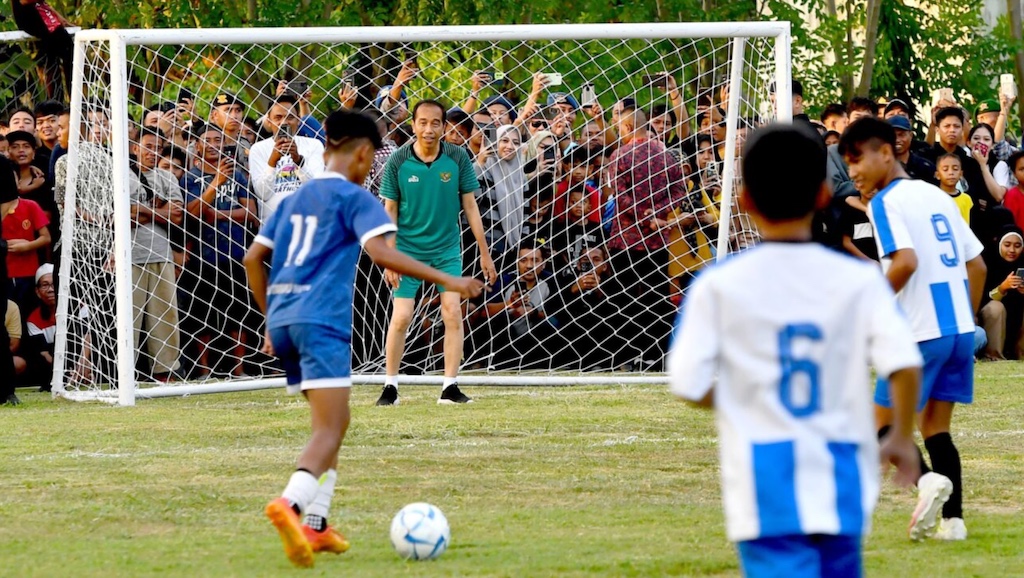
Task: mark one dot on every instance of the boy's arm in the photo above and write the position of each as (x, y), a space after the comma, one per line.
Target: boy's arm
(898, 448)
(391, 259)
(256, 270)
(976, 272)
(904, 264)
(693, 356)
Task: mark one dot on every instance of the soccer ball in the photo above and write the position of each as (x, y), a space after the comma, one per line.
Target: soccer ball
(420, 532)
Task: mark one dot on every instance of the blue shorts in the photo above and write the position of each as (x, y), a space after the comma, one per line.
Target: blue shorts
(314, 356)
(799, 556)
(948, 373)
(450, 262)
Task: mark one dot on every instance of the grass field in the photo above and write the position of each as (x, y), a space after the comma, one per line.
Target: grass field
(611, 481)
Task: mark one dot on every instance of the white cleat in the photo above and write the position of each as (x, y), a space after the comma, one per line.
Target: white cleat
(933, 490)
(951, 529)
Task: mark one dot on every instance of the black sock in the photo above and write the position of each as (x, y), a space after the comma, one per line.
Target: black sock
(920, 456)
(946, 460)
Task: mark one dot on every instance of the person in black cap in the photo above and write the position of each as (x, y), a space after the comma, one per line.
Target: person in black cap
(227, 113)
(916, 166)
(8, 194)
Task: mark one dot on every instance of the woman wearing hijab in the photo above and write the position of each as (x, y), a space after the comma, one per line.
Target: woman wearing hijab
(1002, 311)
(499, 167)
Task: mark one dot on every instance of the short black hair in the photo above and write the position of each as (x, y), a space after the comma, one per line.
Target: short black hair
(827, 134)
(49, 108)
(868, 131)
(795, 150)
(660, 109)
(150, 131)
(431, 102)
(345, 128)
(176, 153)
(628, 103)
(1014, 159)
(859, 103)
(834, 109)
(948, 112)
(948, 156)
(796, 85)
(461, 120)
(982, 125)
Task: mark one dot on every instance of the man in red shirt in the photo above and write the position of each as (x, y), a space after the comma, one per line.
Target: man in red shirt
(24, 229)
(648, 183)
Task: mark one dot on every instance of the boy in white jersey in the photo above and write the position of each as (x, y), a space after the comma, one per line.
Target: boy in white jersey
(308, 301)
(933, 262)
(800, 462)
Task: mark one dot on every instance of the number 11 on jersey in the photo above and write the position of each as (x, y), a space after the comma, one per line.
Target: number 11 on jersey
(298, 237)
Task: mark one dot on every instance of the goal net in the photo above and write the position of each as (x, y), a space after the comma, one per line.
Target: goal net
(605, 156)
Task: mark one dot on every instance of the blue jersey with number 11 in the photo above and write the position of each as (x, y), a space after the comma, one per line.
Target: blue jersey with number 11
(316, 234)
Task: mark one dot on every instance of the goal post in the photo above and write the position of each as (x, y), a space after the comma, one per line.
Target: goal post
(150, 282)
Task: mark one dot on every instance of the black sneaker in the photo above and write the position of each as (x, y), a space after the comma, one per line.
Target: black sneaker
(452, 395)
(11, 400)
(389, 396)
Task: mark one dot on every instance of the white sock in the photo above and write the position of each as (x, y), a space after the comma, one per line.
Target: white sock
(447, 381)
(301, 489)
(321, 505)
(391, 380)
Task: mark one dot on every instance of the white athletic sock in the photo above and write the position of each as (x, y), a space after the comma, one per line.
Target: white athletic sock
(447, 381)
(391, 380)
(301, 489)
(321, 505)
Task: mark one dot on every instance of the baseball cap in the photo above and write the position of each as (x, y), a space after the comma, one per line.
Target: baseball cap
(897, 103)
(498, 99)
(899, 122)
(21, 135)
(383, 93)
(563, 98)
(225, 98)
(984, 106)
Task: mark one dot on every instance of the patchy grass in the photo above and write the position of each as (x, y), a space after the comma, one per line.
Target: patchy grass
(584, 481)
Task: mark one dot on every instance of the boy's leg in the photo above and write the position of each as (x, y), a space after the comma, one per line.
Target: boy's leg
(780, 557)
(322, 537)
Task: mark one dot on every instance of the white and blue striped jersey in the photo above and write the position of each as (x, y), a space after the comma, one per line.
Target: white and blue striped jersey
(915, 215)
(788, 331)
(316, 234)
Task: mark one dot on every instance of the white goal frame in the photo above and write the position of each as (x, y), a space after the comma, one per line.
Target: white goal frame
(119, 40)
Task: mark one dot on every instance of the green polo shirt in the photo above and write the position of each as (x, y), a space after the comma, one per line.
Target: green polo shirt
(429, 197)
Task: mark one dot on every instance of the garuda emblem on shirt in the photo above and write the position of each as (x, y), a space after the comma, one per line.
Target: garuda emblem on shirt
(446, 177)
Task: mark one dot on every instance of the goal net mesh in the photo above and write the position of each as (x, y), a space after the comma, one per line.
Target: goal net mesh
(595, 237)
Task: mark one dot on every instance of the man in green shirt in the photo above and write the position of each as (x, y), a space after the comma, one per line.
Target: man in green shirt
(426, 184)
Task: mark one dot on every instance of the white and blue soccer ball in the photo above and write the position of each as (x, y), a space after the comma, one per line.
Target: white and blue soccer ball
(420, 532)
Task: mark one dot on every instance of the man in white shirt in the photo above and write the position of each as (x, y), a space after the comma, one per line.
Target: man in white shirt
(280, 164)
(800, 462)
(933, 262)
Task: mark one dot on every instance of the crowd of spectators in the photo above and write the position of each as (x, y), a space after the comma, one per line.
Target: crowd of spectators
(597, 222)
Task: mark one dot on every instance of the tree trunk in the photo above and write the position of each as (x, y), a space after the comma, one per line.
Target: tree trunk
(874, 12)
(1014, 9)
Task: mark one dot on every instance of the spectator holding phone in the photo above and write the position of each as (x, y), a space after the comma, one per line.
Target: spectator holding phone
(996, 173)
(217, 195)
(499, 168)
(1002, 310)
(299, 92)
(226, 113)
(280, 164)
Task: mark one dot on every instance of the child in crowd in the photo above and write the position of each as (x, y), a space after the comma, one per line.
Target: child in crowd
(949, 170)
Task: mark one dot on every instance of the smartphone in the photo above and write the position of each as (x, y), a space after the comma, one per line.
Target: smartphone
(230, 151)
(284, 131)
(298, 87)
(1007, 86)
(587, 95)
(493, 77)
(550, 154)
(554, 78)
(185, 95)
(1020, 272)
(490, 133)
(412, 58)
(656, 81)
(946, 94)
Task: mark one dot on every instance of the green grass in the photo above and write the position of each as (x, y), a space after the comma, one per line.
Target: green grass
(617, 481)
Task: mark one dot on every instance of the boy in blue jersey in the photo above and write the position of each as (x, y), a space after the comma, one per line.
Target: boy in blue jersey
(933, 262)
(307, 298)
(799, 458)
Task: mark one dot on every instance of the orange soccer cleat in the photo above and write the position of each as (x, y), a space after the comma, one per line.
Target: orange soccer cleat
(330, 540)
(296, 546)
